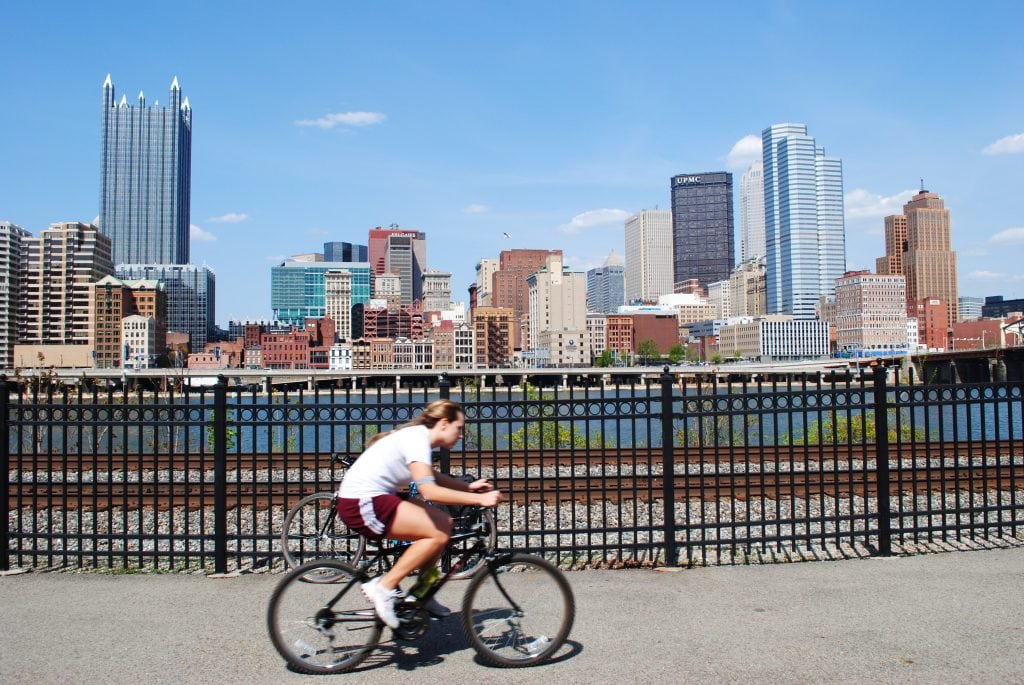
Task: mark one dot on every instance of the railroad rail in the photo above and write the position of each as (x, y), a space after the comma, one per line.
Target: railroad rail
(555, 489)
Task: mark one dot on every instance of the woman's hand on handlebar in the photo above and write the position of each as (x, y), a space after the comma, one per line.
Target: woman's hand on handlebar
(490, 498)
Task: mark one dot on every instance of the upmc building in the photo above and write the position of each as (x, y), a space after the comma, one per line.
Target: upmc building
(702, 227)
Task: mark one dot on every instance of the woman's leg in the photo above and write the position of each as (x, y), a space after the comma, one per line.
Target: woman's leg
(429, 528)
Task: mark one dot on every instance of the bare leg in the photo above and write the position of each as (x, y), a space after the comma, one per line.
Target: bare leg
(429, 528)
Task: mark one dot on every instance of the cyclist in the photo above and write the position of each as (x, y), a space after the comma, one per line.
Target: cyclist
(369, 503)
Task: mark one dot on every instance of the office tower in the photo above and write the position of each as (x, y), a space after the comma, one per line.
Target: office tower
(510, 289)
(437, 291)
(191, 297)
(895, 245)
(648, 255)
(557, 301)
(12, 247)
(388, 287)
(345, 252)
(298, 290)
(752, 212)
(871, 311)
(113, 301)
(702, 228)
(929, 262)
(720, 298)
(338, 301)
(606, 286)
(485, 270)
(57, 272)
(402, 252)
(146, 178)
(805, 243)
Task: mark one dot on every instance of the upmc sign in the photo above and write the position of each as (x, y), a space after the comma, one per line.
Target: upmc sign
(687, 180)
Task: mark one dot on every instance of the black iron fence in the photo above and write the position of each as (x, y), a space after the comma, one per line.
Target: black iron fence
(665, 472)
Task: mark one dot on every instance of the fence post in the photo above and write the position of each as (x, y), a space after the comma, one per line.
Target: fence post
(668, 469)
(882, 462)
(5, 465)
(445, 385)
(220, 475)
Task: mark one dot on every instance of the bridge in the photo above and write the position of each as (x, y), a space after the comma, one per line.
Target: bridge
(968, 366)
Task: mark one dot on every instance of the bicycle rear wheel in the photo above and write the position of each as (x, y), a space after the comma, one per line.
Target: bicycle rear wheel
(326, 626)
(518, 611)
(313, 530)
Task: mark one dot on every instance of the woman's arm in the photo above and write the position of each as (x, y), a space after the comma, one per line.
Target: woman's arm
(443, 489)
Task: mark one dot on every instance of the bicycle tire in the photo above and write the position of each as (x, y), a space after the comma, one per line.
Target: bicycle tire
(518, 611)
(313, 530)
(313, 638)
(477, 516)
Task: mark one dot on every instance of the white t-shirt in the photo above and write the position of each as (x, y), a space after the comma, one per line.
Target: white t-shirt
(384, 467)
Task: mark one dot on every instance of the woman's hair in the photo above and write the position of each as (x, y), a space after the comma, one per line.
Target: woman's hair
(431, 414)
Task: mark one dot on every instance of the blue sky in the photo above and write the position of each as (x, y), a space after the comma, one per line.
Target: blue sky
(549, 121)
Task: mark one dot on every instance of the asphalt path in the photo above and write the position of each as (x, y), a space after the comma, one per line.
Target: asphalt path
(955, 617)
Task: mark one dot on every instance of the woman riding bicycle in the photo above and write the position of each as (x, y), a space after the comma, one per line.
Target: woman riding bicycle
(369, 503)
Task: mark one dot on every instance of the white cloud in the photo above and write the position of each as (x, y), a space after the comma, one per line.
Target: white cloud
(1010, 145)
(197, 233)
(860, 204)
(229, 218)
(973, 251)
(595, 218)
(994, 276)
(333, 119)
(746, 151)
(475, 209)
(1011, 236)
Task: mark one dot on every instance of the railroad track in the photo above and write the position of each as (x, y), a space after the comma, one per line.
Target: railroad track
(548, 489)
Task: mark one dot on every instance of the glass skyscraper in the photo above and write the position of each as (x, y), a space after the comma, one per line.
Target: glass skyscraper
(298, 290)
(805, 235)
(191, 297)
(606, 286)
(702, 227)
(146, 178)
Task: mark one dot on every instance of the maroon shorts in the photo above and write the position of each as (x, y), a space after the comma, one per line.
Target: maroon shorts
(369, 516)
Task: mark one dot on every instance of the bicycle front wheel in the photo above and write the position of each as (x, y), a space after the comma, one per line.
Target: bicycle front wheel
(518, 611)
(326, 626)
(313, 530)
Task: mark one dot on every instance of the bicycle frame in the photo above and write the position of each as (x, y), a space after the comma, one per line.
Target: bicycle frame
(493, 558)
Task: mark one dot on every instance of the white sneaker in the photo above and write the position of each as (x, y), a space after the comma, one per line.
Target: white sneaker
(436, 609)
(383, 601)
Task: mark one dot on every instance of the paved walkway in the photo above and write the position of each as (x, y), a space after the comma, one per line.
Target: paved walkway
(956, 617)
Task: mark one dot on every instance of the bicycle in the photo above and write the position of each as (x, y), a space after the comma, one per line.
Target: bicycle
(313, 530)
(516, 611)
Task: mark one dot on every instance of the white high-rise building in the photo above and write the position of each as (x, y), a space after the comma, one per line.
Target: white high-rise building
(485, 269)
(752, 212)
(649, 256)
(558, 302)
(805, 236)
(338, 301)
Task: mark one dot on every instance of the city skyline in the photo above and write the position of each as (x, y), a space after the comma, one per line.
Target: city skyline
(562, 124)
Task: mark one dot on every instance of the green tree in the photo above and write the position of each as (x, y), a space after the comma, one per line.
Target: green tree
(648, 350)
(604, 360)
(716, 358)
(676, 353)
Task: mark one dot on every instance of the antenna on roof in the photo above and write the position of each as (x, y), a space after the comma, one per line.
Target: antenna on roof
(922, 185)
